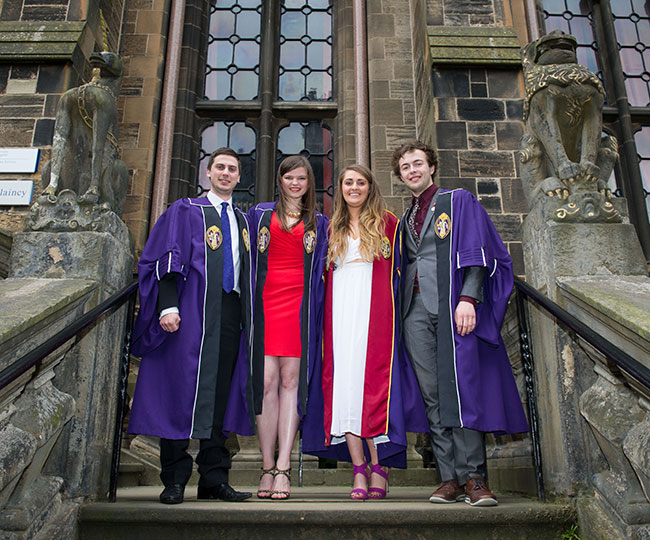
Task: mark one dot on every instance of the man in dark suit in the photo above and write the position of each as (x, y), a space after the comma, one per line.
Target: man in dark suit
(194, 296)
(453, 261)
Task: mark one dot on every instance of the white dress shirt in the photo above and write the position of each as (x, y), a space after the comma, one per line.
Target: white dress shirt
(234, 235)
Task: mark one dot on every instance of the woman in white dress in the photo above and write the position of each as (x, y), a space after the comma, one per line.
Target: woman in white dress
(357, 239)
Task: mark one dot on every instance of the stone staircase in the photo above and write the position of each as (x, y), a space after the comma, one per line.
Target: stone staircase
(321, 512)
(319, 509)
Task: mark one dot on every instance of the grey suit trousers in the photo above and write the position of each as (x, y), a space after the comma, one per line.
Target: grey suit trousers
(459, 452)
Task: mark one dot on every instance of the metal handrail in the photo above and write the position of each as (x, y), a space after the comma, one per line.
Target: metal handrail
(601, 344)
(33, 357)
(607, 348)
(36, 355)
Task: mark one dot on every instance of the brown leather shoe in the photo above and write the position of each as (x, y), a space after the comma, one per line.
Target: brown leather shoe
(448, 492)
(477, 492)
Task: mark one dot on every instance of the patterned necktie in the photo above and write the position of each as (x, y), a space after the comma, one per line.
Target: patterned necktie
(228, 270)
(411, 220)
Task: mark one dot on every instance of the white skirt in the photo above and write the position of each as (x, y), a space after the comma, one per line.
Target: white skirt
(352, 287)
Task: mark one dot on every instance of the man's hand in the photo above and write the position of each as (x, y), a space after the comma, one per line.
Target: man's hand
(465, 317)
(170, 322)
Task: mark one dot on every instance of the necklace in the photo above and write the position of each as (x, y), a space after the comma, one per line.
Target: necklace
(294, 215)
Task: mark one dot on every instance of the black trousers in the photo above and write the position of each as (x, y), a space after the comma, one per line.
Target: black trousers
(213, 459)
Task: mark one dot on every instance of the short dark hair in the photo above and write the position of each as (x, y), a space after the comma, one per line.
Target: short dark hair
(410, 146)
(224, 151)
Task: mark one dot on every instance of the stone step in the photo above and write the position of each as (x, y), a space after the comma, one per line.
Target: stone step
(321, 512)
(518, 479)
(130, 474)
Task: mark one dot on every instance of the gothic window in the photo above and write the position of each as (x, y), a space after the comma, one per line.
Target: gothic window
(268, 90)
(627, 24)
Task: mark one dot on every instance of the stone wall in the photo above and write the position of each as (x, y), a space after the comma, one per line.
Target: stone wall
(139, 105)
(391, 89)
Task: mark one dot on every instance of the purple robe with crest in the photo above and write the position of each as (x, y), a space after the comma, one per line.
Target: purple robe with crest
(476, 386)
(174, 396)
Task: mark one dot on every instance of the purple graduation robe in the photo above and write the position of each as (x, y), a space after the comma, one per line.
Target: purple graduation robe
(476, 386)
(311, 308)
(175, 391)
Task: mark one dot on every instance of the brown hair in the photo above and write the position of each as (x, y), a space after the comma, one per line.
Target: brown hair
(371, 219)
(308, 209)
(410, 146)
(224, 151)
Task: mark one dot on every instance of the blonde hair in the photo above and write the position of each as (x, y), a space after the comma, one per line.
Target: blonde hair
(308, 208)
(371, 220)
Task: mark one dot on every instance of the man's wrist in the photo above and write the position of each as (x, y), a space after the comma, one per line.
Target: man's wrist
(167, 311)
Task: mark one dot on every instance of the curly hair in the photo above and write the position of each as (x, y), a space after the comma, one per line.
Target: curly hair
(410, 146)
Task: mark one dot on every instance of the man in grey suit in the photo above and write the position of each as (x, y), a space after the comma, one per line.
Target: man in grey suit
(451, 252)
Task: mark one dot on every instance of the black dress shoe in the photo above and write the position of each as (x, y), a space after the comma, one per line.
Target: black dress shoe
(223, 492)
(172, 494)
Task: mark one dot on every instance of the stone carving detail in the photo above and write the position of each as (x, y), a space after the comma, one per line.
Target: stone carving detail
(565, 160)
(86, 179)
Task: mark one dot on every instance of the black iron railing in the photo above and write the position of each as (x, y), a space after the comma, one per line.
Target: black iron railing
(623, 360)
(36, 355)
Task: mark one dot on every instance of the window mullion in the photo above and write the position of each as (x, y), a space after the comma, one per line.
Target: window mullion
(268, 76)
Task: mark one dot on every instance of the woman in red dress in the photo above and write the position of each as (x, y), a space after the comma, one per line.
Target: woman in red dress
(291, 236)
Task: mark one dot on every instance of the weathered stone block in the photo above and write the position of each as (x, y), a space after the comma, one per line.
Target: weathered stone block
(508, 226)
(451, 135)
(515, 109)
(446, 108)
(504, 83)
(512, 195)
(479, 90)
(448, 163)
(381, 25)
(480, 128)
(517, 256)
(488, 187)
(450, 83)
(387, 111)
(481, 109)
(71, 255)
(491, 204)
(508, 135)
(482, 142)
(17, 449)
(490, 164)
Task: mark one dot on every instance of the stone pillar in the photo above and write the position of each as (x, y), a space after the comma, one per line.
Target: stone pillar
(90, 374)
(554, 250)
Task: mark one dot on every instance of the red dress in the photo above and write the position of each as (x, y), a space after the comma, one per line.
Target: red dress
(283, 289)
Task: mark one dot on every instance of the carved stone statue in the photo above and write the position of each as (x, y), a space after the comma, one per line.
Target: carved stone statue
(564, 155)
(86, 179)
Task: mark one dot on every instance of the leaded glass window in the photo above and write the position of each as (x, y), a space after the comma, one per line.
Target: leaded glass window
(632, 25)
(306, 51)
(268, 77)
(314, 141)
(239, 137)
(232, 68)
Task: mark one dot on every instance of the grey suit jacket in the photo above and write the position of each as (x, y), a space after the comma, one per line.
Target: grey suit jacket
(422, 261)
